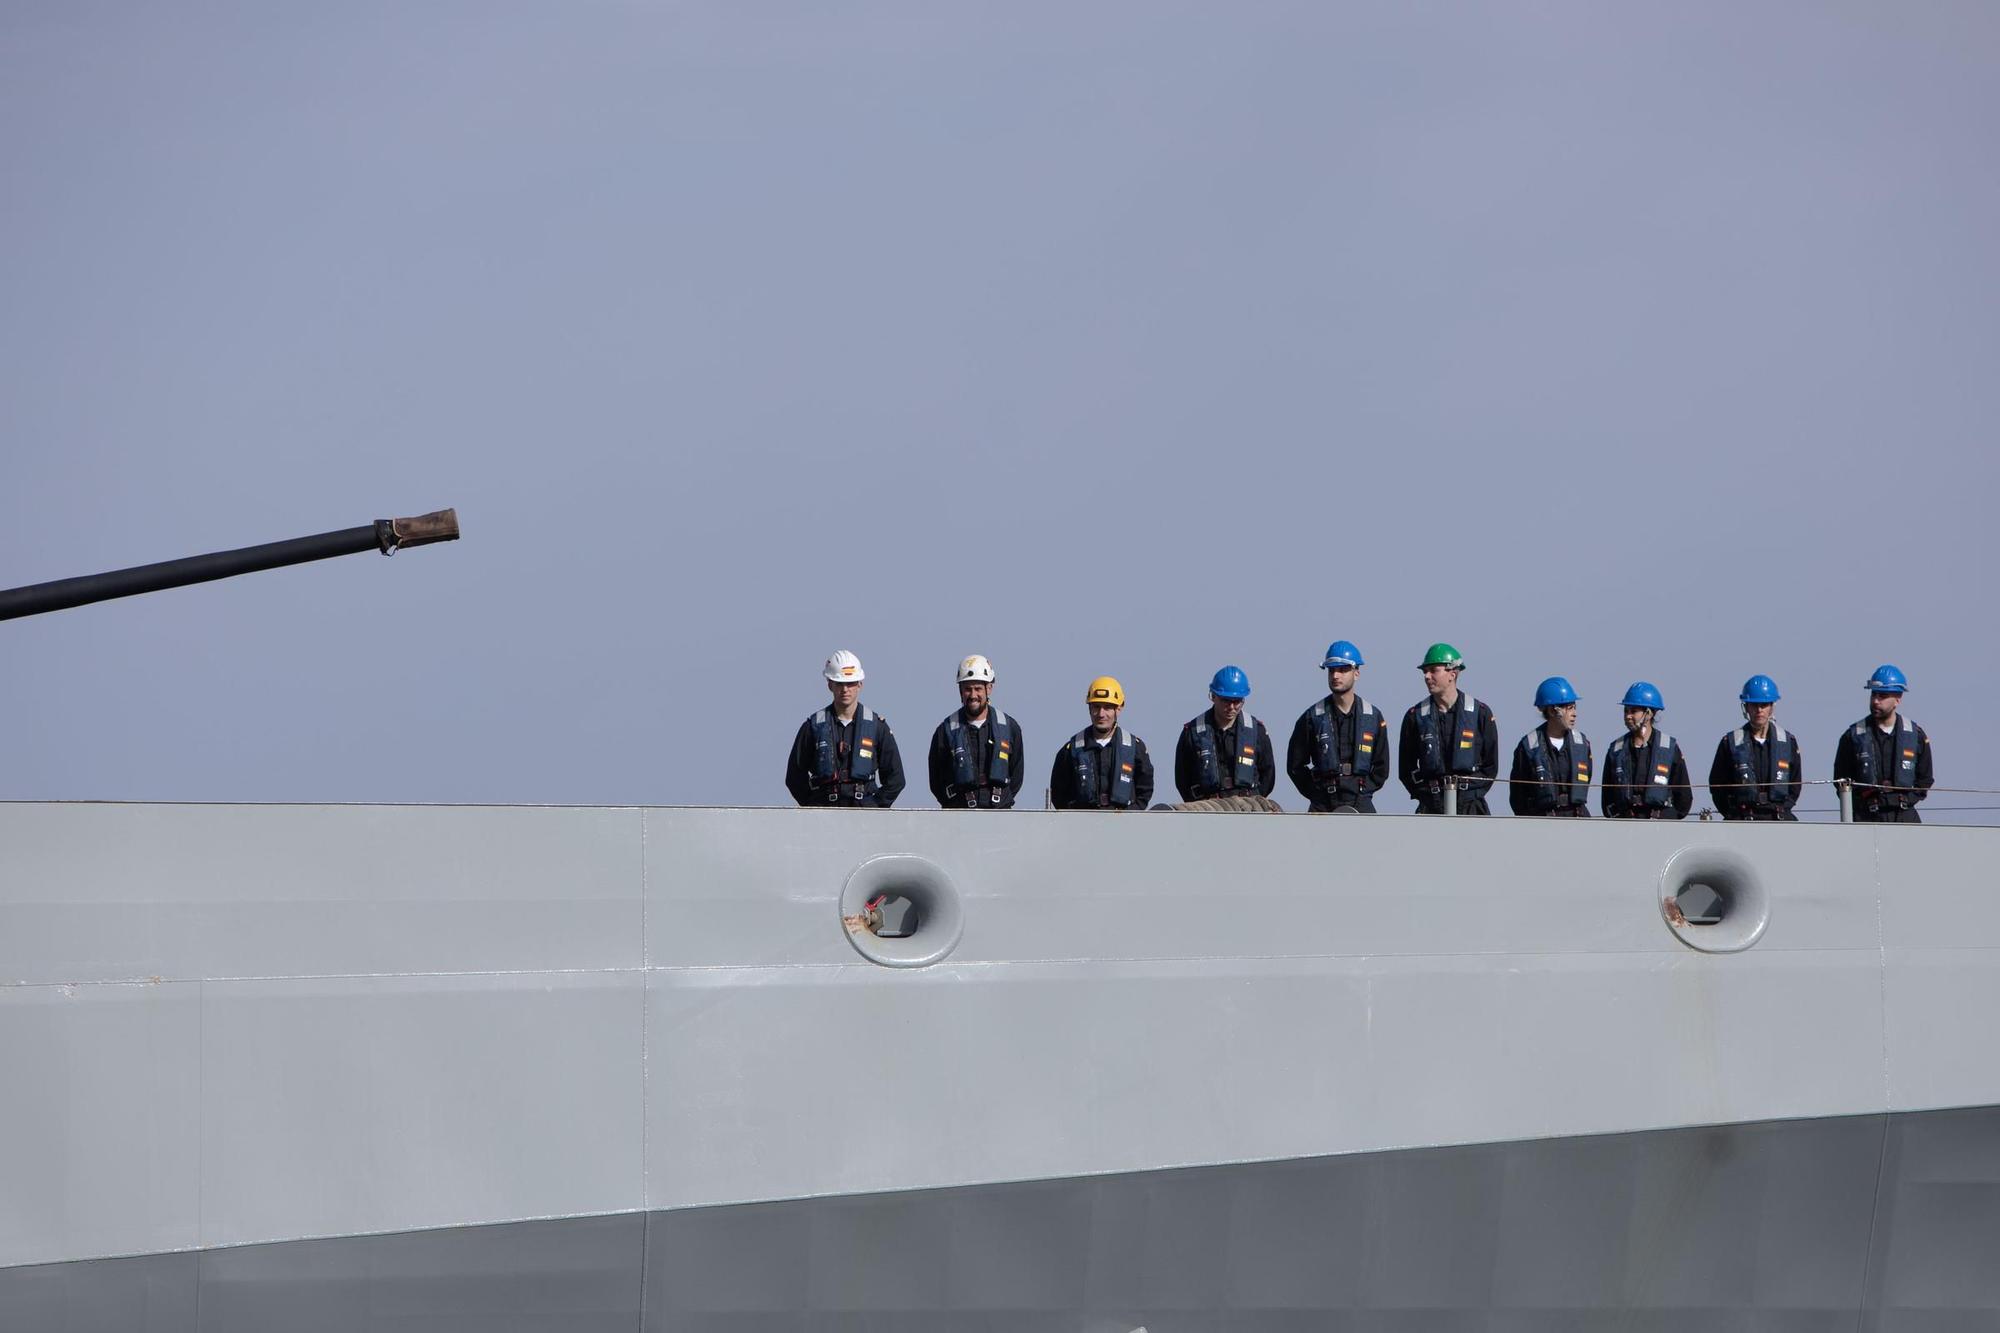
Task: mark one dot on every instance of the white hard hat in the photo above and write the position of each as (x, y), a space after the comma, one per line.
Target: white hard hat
(845, 666)
(975, 667)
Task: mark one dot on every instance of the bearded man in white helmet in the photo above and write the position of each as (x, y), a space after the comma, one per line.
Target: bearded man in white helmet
(845, 755)
(976, 761)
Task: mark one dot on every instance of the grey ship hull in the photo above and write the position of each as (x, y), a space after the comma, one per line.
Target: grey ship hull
(354, 1067)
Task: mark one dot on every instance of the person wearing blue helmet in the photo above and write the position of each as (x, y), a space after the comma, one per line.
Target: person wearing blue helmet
(1551, 774)
(1225, 751)
(1645, 773)
(1448, 739)
(1757, 766)
(1885, 755)
(1339, 753)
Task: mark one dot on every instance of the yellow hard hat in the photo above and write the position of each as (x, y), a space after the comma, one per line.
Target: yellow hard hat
(1105, 690)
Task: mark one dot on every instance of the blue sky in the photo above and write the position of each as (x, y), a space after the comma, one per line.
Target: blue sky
(1611, 341)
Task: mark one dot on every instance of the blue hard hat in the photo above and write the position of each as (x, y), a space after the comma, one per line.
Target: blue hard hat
(1555, 690)
(1643, 694)
(1230, 683)
(1887, 680)
(1759, 690)
(1342, 653)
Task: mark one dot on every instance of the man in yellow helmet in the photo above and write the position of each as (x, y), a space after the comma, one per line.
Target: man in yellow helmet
(1104, 766)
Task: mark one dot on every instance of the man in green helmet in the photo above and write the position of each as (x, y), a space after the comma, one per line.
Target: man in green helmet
(1448, 739)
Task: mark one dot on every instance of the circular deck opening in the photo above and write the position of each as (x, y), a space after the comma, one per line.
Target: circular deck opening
(901, 911)
(1713, 900)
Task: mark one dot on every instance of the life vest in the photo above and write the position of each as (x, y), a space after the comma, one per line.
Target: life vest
(1573, 772)
(1907, 746)
(1368, 725)
(1465, 750)
(1656, 791)
(1085, 752)
(1784, 757)
(965, 769)
(860, 764)
(1209, 772)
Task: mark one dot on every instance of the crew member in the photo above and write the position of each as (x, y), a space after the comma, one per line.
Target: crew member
(1756, 770)
(1645, 773)
(1885, 755)
(844, 755)
(1225, 751)
(976, 759)
(1448, 738)
(1104, 766)
(1551, 773)
(1339, 753)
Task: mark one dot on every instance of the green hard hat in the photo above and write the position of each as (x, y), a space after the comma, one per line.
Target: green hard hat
(1443, 654)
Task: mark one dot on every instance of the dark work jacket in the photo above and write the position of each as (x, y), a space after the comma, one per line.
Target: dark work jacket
(1635, 785)
(984, 793)
(1559, 784)
(1866, 754)
(1066, 794)
(1330, 781)
(1229, 746)
(1777, 790)
(1474, 760)
(808, 787)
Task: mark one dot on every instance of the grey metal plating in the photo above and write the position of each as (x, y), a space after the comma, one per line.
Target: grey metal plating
(1878, 1222)
(232, 1025)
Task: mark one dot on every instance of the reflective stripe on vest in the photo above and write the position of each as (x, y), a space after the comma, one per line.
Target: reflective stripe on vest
(1368, 726)
(1906, 753)
(1122, 753)
(860, 764)
(965, 771)
(1784, 758)
(1576, 767)
(1656, 791)
(1245, 767)
(1465, 742)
